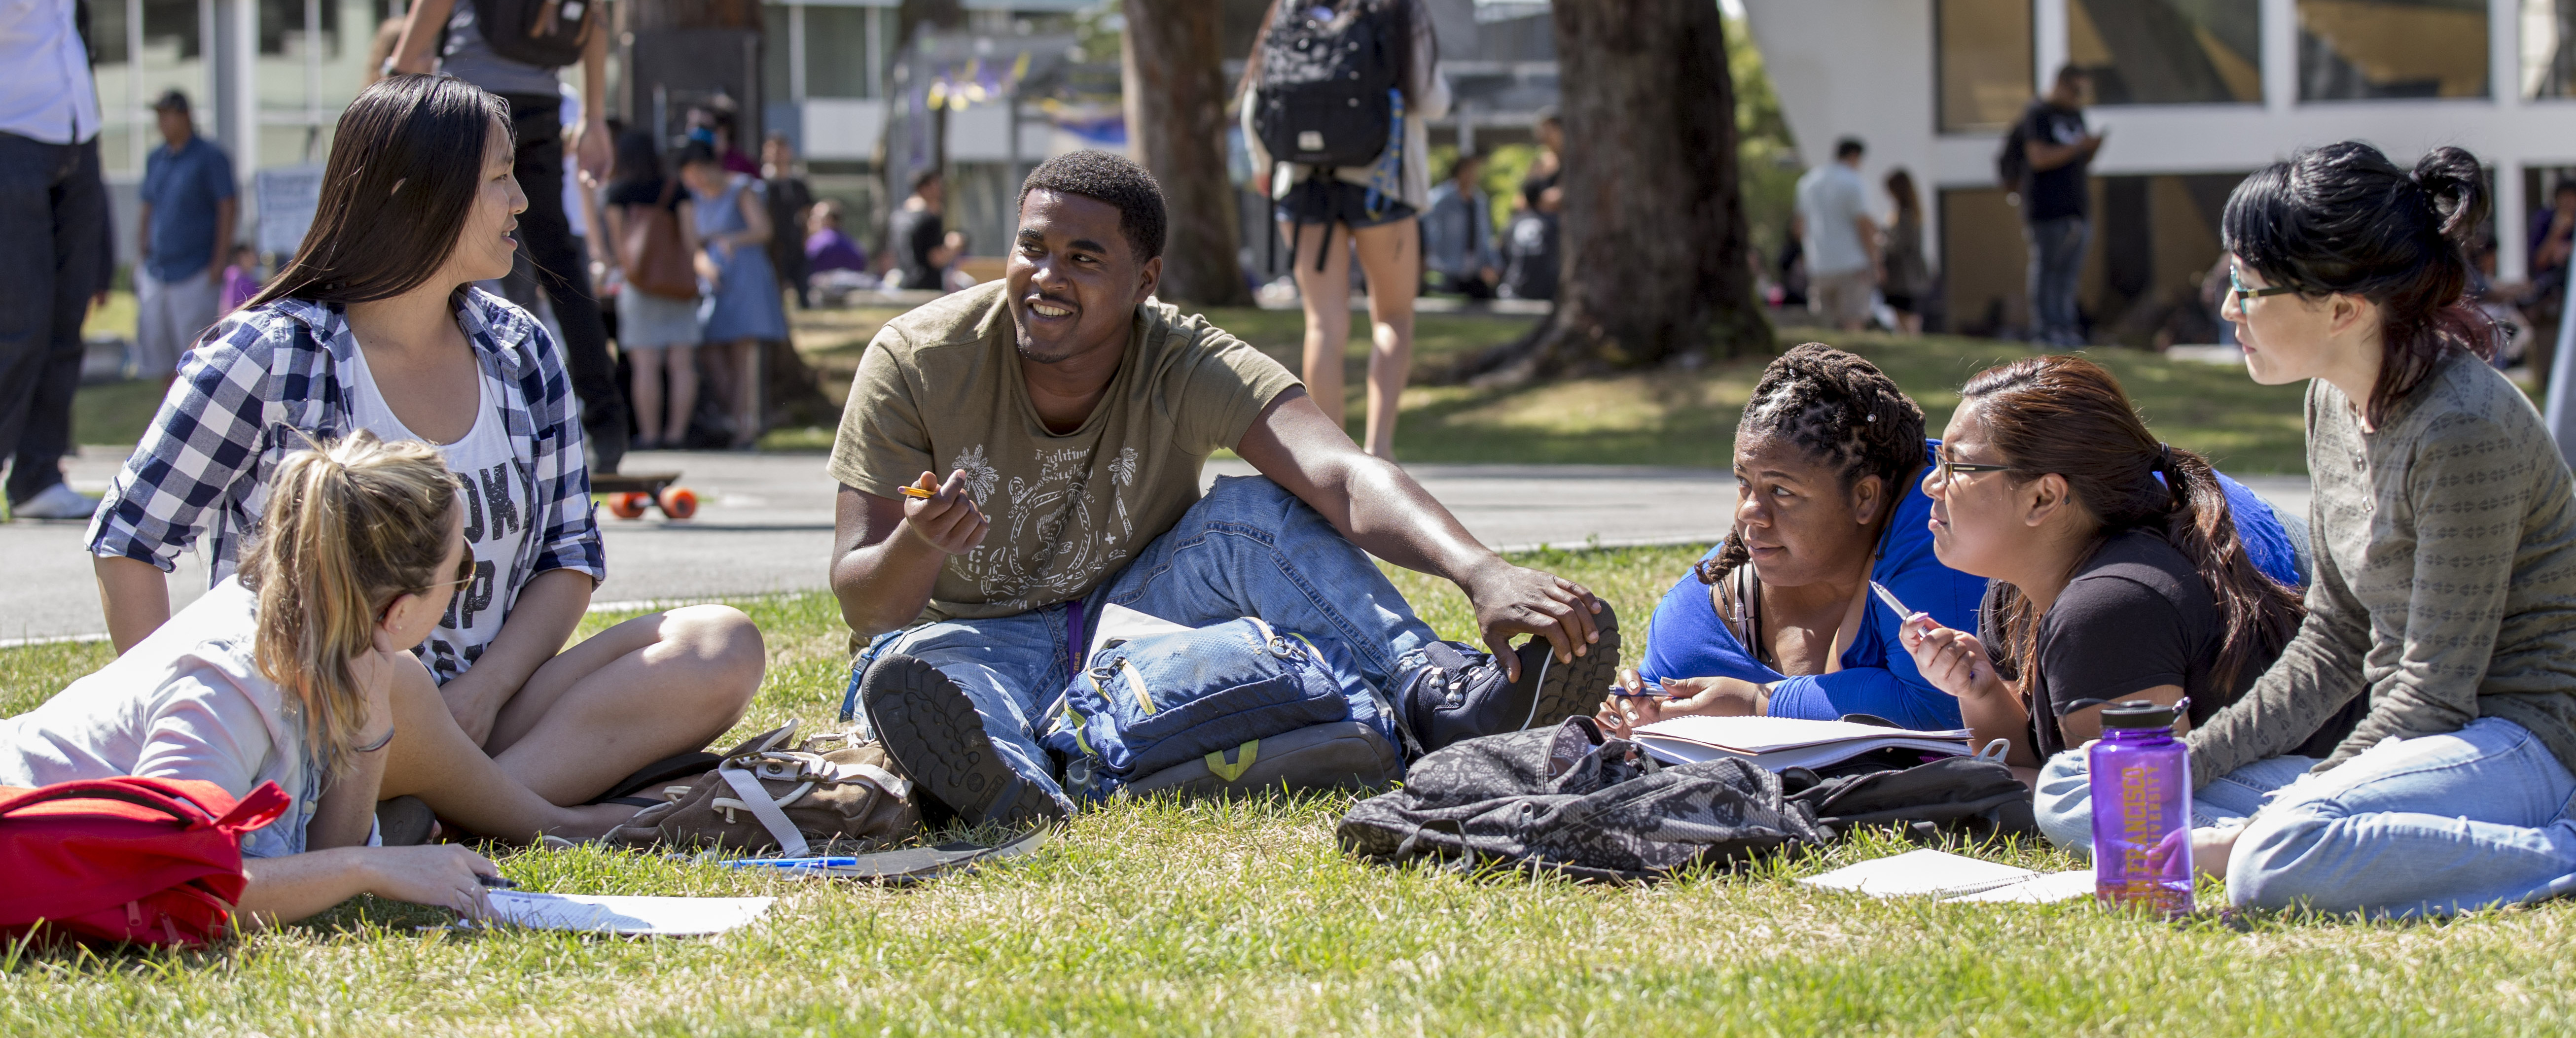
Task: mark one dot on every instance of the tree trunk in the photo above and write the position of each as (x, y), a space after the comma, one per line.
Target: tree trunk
(1654, 228)
(1176, 126)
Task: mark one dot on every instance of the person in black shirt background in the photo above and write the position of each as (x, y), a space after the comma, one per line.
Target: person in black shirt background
(2058, 152)
(790, 200)
(923, 247)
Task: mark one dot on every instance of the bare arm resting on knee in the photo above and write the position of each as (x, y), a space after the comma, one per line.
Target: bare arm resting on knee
(1383, 511)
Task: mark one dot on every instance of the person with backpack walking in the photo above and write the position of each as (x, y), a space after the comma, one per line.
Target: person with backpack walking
(1334, 102)
(653, 225)
(376, 324)
(514, 48)
(2445, 526)
(2046, 160)
(296, 669)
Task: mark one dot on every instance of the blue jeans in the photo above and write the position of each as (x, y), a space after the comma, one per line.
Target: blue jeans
(2425, 826)
(1249, 548)
(2056, 267)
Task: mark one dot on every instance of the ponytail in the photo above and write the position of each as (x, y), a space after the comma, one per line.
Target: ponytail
(349, 527)
(2067, 415)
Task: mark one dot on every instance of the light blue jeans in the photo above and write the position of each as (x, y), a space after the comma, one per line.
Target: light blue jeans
(2056, 270)
(2425, 826)
(1249, 548)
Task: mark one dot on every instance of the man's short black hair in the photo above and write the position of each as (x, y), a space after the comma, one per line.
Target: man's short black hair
(925, 178)
(173, 100)
(1848, 147)
(2073, 74)
(1106, 177)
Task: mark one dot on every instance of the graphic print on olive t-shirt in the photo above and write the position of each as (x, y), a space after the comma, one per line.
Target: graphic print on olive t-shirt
(497, 500)
(1052, 512)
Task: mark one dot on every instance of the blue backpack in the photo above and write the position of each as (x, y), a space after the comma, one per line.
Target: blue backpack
(1194, 710)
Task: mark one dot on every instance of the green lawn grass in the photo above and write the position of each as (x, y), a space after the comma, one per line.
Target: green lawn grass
(1168, 918)
(1671, 417)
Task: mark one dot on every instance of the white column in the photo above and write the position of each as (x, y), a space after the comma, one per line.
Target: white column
(796, 53)
(232, 54)
(2280, 27)
(2504, 80)
(2048, 47)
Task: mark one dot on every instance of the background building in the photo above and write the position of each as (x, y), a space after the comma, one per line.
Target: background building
(2194, 94)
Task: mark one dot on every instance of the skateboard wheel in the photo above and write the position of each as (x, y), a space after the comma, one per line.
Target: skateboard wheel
(629, 505)
(679, 502)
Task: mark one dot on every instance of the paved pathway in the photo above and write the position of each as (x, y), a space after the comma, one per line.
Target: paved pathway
(765, 526)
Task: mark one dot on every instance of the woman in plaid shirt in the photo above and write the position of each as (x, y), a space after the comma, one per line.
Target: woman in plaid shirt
(376, 325)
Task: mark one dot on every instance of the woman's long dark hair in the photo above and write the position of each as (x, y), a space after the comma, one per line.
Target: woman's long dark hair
(638, 160)
(2067, 415)
(405, 166)
(1844, 413)
(1399, 15)
(2344, 219)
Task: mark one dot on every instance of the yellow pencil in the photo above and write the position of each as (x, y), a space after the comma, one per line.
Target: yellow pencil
(912, 491)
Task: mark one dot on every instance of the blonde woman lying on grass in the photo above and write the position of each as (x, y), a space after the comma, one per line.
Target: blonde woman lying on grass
(299, 670)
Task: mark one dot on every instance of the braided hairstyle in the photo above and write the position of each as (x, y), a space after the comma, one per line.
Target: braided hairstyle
(1842, 412)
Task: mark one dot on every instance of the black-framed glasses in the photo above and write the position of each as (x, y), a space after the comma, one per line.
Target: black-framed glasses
(1945, 470)
(2237, 286)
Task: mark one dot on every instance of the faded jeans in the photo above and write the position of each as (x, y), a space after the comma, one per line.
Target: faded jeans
(1249, 548)
(2424, 826)
(2056, 268)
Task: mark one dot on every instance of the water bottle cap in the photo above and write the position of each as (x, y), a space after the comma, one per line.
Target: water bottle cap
(2140, 713)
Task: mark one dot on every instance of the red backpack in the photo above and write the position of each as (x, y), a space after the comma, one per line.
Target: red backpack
(146, 860)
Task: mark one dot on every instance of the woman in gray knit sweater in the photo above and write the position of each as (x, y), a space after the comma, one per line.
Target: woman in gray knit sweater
(2445, 588)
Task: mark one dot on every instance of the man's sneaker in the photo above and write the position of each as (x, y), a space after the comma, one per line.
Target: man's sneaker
(1461, 693)
(936, 738)
(56, 502)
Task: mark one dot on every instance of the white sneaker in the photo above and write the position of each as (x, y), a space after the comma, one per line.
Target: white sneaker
(56, 502)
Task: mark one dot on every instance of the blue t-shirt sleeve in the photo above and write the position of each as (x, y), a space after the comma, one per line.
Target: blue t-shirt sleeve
(2267, 541)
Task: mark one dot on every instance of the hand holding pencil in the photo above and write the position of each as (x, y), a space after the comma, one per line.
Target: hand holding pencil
(943, 514)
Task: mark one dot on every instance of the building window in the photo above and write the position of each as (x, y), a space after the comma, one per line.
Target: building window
(2360, 50)
(2548, 48)
(1982, 53)
(842, 55)
(2168, 52)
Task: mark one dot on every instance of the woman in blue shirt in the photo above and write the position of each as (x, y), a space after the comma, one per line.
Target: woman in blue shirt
(1779, 619)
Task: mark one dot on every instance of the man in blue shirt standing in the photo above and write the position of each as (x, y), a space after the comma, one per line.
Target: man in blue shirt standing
(189, 209)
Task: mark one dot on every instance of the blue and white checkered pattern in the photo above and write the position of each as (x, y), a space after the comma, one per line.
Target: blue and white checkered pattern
(265, 374)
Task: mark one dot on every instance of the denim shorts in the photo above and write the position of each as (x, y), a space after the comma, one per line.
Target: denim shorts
(1333, 201)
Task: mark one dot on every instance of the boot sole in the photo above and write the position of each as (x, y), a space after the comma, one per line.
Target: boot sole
(1570, 689)
(931, 729)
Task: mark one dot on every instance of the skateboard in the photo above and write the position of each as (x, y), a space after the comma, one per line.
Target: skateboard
(630, 493)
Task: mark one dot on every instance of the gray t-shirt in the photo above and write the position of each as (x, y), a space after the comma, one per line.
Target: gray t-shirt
(1830, 197)
(2446, 578)
(468, 56)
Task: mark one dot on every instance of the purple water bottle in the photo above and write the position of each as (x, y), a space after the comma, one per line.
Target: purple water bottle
(2142, 808)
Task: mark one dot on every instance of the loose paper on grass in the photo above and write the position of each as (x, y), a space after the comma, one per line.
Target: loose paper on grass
(665, 916)
(1953, 877)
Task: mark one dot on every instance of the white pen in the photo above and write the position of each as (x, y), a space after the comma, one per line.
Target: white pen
(1902, 614)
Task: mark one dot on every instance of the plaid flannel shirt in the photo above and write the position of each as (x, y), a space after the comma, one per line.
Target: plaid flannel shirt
(262, 374)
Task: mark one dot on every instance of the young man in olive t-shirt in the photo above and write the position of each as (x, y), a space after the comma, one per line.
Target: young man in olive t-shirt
(1071, 412)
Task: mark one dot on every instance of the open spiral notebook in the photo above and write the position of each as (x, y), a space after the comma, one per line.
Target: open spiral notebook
(1779, 743)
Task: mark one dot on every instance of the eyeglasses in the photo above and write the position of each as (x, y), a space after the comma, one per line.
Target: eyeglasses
(2236, 285)
(1945, 470)
(464, 576)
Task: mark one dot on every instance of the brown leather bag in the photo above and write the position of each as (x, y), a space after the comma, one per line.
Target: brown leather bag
(656, 262)
(793, 802)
